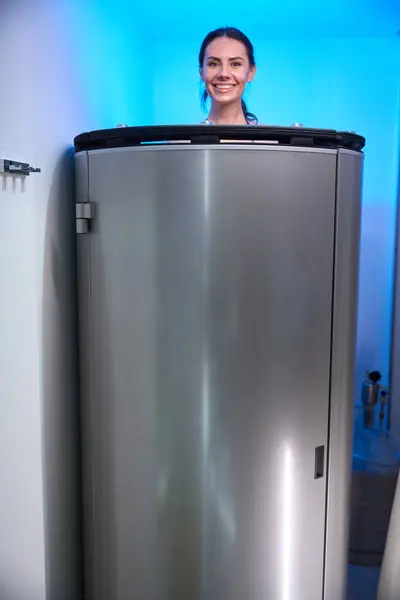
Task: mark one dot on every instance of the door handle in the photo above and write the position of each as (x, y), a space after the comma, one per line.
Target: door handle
(319, 462)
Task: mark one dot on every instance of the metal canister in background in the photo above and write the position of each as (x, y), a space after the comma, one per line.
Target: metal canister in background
(370, 397)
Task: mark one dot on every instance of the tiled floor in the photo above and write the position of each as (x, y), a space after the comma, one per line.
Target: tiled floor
(362, 583)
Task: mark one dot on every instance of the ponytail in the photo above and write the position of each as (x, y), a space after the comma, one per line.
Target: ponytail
(251, 118)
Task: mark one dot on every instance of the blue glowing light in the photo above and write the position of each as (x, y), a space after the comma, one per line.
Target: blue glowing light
(335, 65)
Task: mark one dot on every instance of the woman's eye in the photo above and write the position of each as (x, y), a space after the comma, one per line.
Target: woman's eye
(212, 64)
(237, 64)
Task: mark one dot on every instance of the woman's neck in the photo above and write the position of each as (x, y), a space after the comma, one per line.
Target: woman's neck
(227, 115)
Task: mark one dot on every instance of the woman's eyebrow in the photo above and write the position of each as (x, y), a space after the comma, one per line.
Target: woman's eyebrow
(232, 58)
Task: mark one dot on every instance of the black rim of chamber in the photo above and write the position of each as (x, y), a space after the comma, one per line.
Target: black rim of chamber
(213, 134)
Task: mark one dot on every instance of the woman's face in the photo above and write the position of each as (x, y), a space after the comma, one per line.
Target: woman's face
(226, 70)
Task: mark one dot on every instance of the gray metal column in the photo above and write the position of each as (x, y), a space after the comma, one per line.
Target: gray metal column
(349, 184)
(217, 303)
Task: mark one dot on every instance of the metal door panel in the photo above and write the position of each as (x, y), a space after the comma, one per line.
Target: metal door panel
(211, 316)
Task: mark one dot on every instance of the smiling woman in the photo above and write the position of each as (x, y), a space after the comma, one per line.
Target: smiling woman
(227, 65)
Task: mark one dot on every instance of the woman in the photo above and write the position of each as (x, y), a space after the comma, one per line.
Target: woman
(227, 65)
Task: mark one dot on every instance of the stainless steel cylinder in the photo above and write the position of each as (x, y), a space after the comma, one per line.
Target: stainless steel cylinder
(218, 286)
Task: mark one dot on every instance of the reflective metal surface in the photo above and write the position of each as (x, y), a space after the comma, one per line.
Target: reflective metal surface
(207, 318)
(347, 246)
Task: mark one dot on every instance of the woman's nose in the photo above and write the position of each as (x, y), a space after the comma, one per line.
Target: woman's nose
(223, 71)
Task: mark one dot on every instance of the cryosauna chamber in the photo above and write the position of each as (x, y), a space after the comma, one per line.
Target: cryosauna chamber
(218, 272)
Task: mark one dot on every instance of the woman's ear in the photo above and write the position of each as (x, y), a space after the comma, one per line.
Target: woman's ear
(201, 73)
(252, 73)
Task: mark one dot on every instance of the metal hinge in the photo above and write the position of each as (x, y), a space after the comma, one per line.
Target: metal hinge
(14, 167)
(84, 214)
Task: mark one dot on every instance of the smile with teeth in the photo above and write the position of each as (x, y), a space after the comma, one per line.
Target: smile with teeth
(224, 87)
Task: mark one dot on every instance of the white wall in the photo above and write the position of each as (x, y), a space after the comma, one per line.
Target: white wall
(51, 90)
